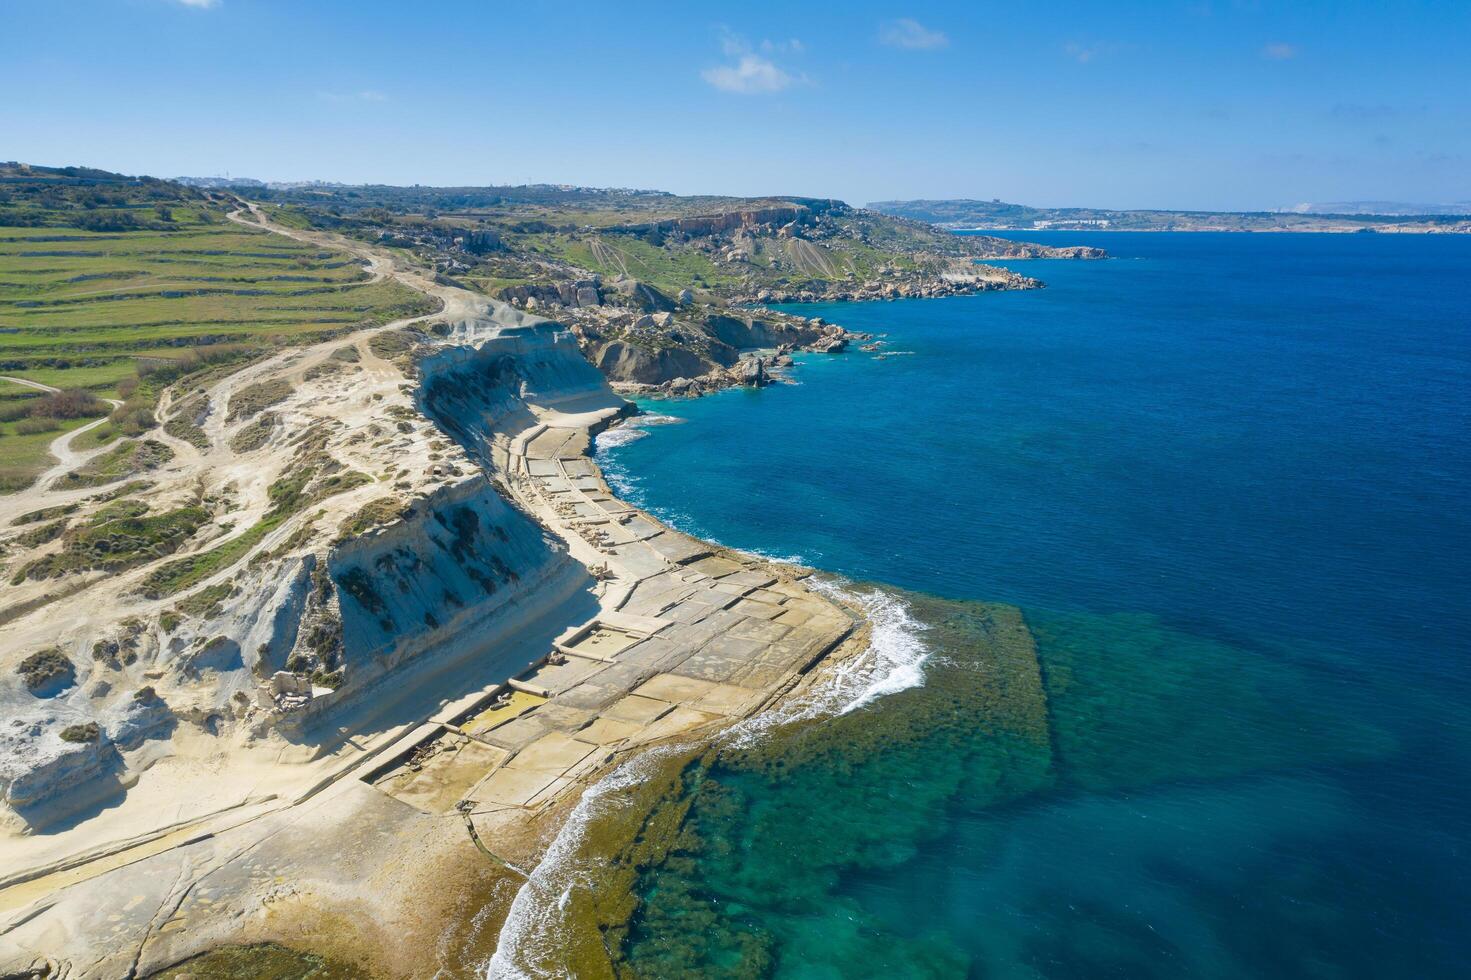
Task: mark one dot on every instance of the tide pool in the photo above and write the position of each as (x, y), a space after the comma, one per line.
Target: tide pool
(1187, 536)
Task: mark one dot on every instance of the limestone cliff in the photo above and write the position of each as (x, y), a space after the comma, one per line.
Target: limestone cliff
(330, 535)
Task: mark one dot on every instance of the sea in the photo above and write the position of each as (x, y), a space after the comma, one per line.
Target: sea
(1168, 566)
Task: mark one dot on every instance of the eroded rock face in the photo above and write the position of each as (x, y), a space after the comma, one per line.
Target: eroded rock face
(392, 549)
(752, 372)
(36, 763)
(572, 293)
(750, 332)
(622, 361)
(464, 551)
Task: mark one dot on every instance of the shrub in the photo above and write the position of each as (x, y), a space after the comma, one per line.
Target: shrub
(114, 541)
(256, 434)
(73, 403)
(253, 398)
(19, 408)
(34, 426)
(45, 666)
(133, 418)
(81, 733)
(206, 602)
(41, 534)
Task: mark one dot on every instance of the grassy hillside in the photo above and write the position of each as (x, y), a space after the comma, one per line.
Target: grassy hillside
(107, 281)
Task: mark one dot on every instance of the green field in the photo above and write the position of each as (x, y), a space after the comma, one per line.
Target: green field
(79, 309)
(105, 278)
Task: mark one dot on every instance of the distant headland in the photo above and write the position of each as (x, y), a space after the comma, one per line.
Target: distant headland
(1350, 216)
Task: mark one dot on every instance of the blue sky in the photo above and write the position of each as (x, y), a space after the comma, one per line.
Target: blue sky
(1192, 104)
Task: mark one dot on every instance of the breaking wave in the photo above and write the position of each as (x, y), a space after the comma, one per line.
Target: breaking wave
(631, 431)
(532, 930)
(893, 661)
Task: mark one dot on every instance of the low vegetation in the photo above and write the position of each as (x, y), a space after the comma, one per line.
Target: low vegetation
(45, 667)
(384, 510)
(47, 513)
(41, 534)
(124, 460)
(86, 732)
(312, 476)
(206, 602)
(256, 434)
(117, 537)
(253, 399)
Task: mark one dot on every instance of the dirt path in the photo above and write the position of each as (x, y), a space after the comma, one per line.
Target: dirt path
(66, 459)
(607, 254)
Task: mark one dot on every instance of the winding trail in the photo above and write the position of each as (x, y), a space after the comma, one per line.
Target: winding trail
(66, 459)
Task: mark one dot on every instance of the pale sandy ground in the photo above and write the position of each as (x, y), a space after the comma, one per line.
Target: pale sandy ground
(327, 843)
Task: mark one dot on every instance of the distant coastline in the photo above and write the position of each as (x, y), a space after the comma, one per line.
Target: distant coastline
(993, 216)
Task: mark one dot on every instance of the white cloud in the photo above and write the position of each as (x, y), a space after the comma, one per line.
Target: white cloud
(199, 4)
(752, 73)
(911, 34)
(1279, 51)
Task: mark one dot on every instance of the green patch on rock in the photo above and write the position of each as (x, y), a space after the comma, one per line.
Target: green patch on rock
(41, 535)
(88, 732)
(313, 476)
(253, 399)
(266, 961)
(256, 434)
(206, 602)
(123, 460)
(185, 429)
(119, 536)
(377, 513)
(46, 667)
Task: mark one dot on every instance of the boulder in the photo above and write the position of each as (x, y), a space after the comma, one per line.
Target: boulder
(37, 764)
(829, 344)
(642, 296)
(752, 372)
(620, 361)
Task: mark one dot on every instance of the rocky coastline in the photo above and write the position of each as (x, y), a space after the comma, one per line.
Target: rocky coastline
(442, 626)
(551, 630)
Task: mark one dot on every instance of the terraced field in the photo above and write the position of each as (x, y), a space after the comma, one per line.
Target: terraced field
(176, 287)
(78, 309)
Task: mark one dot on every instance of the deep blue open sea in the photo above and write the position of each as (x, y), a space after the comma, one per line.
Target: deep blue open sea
(1224, 478)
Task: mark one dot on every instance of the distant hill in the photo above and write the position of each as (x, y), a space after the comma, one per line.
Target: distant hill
(441, 197)
(1395, 208)
(997, 215)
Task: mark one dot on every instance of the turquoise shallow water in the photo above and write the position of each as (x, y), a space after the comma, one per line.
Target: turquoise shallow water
(1224, 479)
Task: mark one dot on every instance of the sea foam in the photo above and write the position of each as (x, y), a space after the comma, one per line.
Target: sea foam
(892, 661)
(531, 933)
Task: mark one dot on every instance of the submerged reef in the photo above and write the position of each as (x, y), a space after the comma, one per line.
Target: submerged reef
(755, 854)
